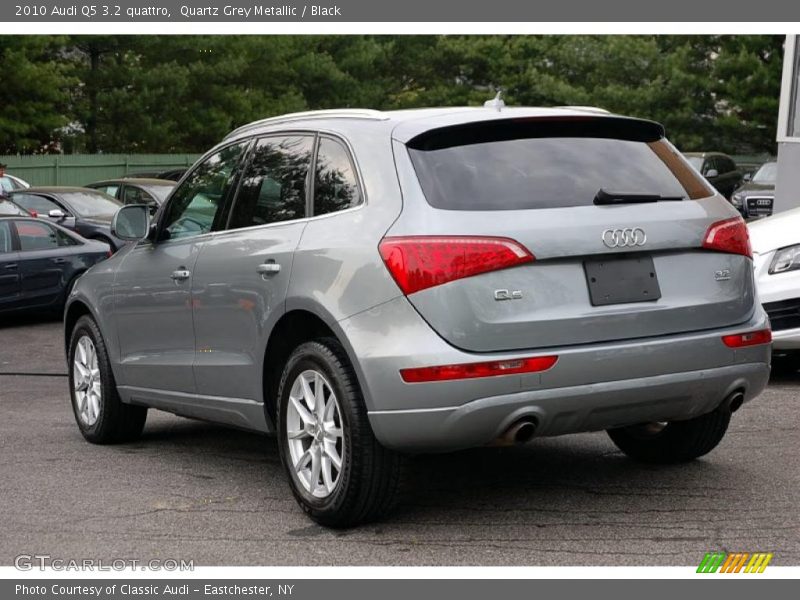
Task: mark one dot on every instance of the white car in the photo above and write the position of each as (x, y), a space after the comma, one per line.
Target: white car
(9, 183)
(776, 254)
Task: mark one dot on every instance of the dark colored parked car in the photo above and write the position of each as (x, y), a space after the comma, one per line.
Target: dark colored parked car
(719, 170)
(152, 192)
(756, 197)
(85, 211)
(40, 261)
(170, 174)
(9, 209)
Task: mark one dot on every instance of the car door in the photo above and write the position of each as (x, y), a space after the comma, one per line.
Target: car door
(10, 290)
(242, 273)
(152, 293)
(41, 262)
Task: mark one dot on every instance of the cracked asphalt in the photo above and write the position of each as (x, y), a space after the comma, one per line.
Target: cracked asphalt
(218, 496)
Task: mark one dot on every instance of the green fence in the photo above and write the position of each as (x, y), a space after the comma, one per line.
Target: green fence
(80, 169)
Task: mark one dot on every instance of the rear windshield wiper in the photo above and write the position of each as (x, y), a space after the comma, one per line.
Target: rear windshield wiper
(604, 198)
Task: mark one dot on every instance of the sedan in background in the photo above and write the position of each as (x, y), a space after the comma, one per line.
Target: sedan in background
(85, 211)
(40, 262)
(152, 192)
(719, 170)
(776, 257)
(756, 197)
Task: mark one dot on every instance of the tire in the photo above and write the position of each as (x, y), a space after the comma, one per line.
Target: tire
(674, 442)
(102, 417)
(366, 486)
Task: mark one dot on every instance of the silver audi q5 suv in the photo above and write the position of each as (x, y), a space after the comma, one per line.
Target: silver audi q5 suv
(369, 284)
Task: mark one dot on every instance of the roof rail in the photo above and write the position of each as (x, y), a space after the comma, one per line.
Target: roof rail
(591, 109)
(339, 113)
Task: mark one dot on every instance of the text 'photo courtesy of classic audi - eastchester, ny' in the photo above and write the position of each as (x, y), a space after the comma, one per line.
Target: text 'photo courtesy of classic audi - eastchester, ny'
(371, 284)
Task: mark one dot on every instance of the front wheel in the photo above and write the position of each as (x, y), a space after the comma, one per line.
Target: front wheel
(673, 442)
(101, 415)
(339, 473)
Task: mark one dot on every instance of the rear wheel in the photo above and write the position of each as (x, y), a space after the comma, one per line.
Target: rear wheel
(101, 415)
(673, 442)
(339, 473)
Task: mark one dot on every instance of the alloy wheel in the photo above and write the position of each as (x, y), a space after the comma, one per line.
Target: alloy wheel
(314, 433)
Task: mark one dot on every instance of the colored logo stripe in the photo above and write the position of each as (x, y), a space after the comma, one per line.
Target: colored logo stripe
(735, 562)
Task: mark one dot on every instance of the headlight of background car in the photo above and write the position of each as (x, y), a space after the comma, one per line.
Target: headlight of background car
(738, 199)
(786, 259)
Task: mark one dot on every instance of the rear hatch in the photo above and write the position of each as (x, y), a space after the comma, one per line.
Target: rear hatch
(533, 233)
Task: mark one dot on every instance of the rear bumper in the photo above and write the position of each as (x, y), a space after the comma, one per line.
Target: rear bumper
(557, 411)
(591, 387)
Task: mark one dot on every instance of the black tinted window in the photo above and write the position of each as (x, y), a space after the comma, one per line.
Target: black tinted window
(335, 184)
(194, 205)
(273, 188)
(36, 236)
(547, 172)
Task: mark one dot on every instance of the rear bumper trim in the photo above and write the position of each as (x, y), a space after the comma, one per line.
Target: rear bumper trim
(557, 411)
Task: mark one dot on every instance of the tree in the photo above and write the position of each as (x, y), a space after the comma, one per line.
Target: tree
(33, 93)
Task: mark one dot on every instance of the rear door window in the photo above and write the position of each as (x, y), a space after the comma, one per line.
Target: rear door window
(529, 165)
(35, 235)
(273, 188)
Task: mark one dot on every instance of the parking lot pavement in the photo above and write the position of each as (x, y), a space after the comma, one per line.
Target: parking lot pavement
(197, 491)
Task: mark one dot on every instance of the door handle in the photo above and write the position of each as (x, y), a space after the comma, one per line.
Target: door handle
(59, 261)
(12, 266)
(268, 268)
(181, 274)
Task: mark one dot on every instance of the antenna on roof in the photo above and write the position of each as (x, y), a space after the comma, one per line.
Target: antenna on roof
(495, 103)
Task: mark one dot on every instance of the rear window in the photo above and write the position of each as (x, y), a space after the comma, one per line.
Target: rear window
(529, 165)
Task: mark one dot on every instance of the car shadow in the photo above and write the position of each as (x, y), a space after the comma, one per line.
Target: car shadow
(562, 479)
(26, 319)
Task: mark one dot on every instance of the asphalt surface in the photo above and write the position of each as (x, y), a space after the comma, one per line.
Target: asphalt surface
(217, 496)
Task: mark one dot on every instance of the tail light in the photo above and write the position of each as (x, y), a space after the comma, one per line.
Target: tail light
(729, 236)
(420, 262)
(751, 338)
(481, 369)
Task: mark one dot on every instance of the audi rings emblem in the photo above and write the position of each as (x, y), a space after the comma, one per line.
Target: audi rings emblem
(624, 238)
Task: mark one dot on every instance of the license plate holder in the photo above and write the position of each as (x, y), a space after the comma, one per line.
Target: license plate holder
(759, 207)
(621, 279)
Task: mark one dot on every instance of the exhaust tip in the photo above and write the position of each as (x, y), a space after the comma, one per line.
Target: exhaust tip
(735, 401)
(520, 432)
(524, 433)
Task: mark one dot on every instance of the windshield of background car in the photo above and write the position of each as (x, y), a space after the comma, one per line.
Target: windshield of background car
(768, 173)
(92, 204)
(513, 165)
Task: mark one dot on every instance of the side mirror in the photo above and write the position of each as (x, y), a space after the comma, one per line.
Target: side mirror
(56, 214)
(748, 176)
(711, 173)
(131, 223)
